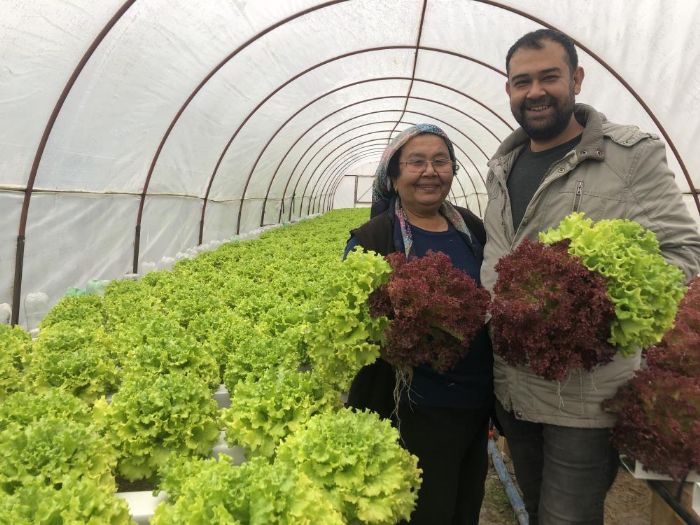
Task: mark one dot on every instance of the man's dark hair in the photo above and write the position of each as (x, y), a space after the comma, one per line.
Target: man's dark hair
(534, 40)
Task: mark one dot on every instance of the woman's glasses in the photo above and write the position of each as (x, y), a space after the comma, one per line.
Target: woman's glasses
(420, 165)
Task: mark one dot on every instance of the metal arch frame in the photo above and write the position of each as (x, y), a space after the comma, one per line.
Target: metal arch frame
(193, 94)
(284, 193)
(329, 180)
(356, 159)
(478, 171)
(392, 78)
(309, 162)
(331, 195)
(262, 218)
(464, 194)
(351, 149)
(621, 79)
(327, 143)
(28, 190)
(320, 149)
(340, 156)
(337, 179)
(345, 164)
(404, 111)
(176, 118)
(331, 140)
(340, 134)
(260, 104)
(415, 65)
(292, 79)
(350, 161)
(279, 129)
(19, 255)
(365, 146)
(301, 157)
(337, 157)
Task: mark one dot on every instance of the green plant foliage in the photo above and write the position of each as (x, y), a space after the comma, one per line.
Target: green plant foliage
(257, 493)
(152, 417)
(159, 345)
(76, 500)
(357, 458)
(24, 408)
(218, 331)
(252, 307)
(48, 436)
(125, 301)
(202, 492)
(14, 353)
(344, 337)
(77, 358)
(178, 470)
(185, 297)
(257, 352)
(82, 310)
(643, 287)
(265, 410)
(294, 498)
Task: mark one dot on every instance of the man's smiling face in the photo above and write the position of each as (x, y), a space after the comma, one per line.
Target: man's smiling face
(542, 89)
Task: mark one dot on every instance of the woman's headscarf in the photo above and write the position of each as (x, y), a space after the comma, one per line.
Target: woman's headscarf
(383, 192)
(383, 188)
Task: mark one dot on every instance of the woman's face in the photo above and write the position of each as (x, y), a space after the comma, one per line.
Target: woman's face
(424, 188)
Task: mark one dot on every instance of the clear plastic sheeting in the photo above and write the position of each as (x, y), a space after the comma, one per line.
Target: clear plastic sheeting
(135, 130)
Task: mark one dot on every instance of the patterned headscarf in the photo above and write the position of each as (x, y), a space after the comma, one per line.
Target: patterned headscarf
(383, 189)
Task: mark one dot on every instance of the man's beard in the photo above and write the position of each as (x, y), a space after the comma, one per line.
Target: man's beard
(545, 130)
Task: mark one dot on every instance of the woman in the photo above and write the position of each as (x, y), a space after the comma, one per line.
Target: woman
(445, 421)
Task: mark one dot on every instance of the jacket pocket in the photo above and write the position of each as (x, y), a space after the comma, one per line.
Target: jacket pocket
(583, 196)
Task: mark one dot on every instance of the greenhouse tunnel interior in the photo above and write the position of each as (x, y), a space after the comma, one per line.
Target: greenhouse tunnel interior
(134, 131)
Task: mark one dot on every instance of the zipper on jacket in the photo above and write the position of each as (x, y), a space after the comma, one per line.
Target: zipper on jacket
(500, 181)
(577, 195)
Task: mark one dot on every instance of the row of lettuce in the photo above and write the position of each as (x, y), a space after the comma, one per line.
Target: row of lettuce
(285, 325)
(119, 387)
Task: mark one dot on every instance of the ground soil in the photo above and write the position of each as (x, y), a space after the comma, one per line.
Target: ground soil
(627, 503)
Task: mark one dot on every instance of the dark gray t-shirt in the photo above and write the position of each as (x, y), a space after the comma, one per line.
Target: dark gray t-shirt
(527, 174)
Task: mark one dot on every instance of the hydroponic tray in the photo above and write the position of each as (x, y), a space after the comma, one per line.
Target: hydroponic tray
(142, 503)
(641, 473)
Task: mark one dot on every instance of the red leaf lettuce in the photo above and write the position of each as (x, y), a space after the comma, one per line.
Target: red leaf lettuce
(549, 312)
(435, 310)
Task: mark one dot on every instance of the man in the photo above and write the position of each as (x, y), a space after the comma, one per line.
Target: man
(567, 157)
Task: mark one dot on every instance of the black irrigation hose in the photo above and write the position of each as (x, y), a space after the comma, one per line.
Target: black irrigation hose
(672, 502)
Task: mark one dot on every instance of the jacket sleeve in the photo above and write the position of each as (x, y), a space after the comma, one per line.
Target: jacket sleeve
(352, 243)
(660, 207)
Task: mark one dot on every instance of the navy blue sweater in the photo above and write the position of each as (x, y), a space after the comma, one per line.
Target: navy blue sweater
(470, 383)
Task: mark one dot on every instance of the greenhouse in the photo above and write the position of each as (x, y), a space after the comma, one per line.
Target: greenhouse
(182, 317)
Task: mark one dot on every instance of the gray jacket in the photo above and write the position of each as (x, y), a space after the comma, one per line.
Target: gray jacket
(615, 172)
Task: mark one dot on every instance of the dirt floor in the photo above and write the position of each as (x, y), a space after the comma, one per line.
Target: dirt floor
(628, 502)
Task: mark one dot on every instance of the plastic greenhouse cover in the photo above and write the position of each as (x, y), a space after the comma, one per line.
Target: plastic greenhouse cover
(134, 130)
